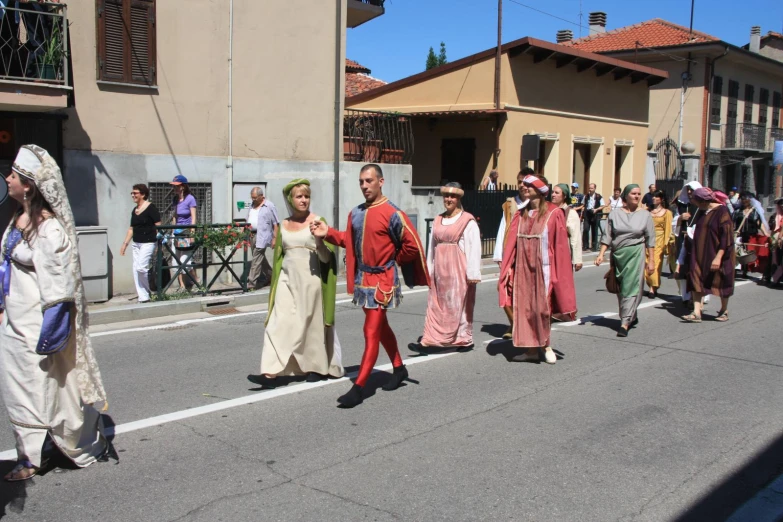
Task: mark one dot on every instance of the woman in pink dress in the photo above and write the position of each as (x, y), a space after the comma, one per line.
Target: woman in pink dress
(536, 274)
(454, 264)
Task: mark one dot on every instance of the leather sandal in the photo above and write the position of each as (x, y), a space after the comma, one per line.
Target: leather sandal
(723, 316)
(691, 318)
(14, 475)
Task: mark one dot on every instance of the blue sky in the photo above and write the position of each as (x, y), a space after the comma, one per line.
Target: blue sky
(395, 45)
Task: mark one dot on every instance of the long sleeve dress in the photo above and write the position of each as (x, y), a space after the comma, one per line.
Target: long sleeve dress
(297, 339)
(453, 262)
(628, 234)
(714, 231)
(663, 229)
(574, 225)
(42, 392)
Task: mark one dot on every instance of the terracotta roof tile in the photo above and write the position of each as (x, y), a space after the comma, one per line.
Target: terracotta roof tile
(652, 33)
(358, 79)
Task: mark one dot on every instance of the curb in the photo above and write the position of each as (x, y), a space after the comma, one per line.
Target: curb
(138, 312)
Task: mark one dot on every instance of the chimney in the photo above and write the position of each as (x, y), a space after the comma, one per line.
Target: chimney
(597, 22)
(755, 39)
(565, 35)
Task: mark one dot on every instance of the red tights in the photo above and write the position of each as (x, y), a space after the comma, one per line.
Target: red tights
(377, 331)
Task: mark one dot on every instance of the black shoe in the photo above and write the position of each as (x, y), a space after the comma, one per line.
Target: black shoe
(314, 377)
(262, 380)
(622, 332)
(634, 322)
(399, 375)
(352, 398)
(416, 347)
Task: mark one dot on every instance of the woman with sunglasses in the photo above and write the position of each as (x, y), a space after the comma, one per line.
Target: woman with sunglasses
(141, 234)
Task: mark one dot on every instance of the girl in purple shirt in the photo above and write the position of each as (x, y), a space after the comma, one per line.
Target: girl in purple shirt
(184, 214)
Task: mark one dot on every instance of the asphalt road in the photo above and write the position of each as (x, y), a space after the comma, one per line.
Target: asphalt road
(676, 422)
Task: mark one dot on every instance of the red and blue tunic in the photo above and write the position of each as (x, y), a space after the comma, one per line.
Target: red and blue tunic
(380, 236)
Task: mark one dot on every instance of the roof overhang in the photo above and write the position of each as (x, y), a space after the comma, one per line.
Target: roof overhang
(541, 51)
(471, 113)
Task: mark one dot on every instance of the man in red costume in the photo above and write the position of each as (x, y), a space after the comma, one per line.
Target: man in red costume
(378, 237)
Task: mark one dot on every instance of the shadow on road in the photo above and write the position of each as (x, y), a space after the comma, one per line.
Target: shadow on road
(738, 488)
(495, 330)
(12, 494)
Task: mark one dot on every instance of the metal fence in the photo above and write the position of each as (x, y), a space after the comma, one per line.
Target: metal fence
(34, 43)
(377, 137)
(747, 136)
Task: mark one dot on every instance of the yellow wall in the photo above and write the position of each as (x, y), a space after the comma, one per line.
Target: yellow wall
(283, 83)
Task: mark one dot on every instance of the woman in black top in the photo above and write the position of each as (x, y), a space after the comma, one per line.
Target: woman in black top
(142, 232)
(748, 225)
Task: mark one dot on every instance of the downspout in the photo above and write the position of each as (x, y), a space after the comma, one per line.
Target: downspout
(706, 174)
(230, 159)
(496, 156)
(338, 113)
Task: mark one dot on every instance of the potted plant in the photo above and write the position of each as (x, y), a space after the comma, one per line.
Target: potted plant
(50, 62)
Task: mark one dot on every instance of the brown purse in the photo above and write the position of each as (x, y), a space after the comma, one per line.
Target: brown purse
(612, 286)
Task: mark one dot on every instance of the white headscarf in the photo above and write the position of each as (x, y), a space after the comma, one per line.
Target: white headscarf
(35, 164)
(684, 198)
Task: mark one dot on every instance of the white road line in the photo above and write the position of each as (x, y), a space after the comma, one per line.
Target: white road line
(239, 401)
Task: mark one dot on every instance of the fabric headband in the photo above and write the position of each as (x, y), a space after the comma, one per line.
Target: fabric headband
(27, 163)
(627, 190)
(536, 183)
(566, 192)
(453, 191)
(290, 187)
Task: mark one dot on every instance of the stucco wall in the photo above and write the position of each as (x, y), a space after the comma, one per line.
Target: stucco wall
(283, 83)
(99, 184)
(773, 49)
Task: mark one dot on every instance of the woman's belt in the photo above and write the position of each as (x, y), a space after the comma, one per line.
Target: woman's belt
(375, 269)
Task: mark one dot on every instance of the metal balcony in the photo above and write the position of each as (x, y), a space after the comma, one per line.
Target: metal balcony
(361, 11)
(745, 136)
(34, 44)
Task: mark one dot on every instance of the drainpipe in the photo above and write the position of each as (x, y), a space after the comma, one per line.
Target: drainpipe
(498, 53)
(338, 113)
(706, 174)
(230, 159)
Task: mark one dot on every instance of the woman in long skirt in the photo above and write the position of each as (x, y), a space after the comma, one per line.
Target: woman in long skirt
(711, 257)
(662, 223)
(454, 263)
(630, 235)
(49, 377)
(299, 338)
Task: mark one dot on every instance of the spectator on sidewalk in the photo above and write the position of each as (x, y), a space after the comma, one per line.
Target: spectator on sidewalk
(144, 218)
(491, 181)
(577, 199)
(266, 236)
(647, 200)
(252, 221)
(593, 203)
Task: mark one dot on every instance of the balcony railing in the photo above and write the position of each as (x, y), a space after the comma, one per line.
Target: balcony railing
(749, 136)
(34, 43)
(377, 137)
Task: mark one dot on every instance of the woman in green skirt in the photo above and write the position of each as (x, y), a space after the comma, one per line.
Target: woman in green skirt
(631, 237)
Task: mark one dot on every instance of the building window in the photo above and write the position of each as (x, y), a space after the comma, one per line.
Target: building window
(126, 41)
(748, 104)
(540, 164)
(763, 106)
(162, 196)
(776, 110)
(717, 92)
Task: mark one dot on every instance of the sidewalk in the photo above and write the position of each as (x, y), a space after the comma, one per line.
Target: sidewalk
(124, 308)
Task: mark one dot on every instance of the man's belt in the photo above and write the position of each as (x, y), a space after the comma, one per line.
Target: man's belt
(375, 269)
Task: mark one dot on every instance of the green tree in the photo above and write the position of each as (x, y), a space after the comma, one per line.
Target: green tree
(432, 60)
(442, 56)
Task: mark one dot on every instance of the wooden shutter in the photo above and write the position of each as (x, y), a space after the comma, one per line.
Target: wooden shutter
(126, 41)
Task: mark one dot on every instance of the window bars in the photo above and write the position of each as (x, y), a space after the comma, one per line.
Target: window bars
(34, 43)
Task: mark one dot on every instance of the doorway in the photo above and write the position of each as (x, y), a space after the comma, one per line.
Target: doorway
(458, 161)
(581, 166)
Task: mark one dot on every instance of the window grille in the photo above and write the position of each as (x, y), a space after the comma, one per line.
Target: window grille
(163, 197)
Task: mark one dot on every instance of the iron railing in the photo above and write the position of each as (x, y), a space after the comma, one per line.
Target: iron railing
(34, 43)
(745, 136)
(168, 251)
(379, 3)
(774, 135)
(377, 137)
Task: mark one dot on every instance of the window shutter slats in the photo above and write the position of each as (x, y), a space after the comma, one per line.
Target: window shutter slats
(126, 41)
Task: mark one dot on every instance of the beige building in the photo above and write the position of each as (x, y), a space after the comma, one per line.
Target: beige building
(730, 98)
(230, 94)
(589, 113)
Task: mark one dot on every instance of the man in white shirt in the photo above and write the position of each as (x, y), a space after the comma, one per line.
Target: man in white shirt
(510, 207)
(592, 215)
(490, 182)
(259, 265)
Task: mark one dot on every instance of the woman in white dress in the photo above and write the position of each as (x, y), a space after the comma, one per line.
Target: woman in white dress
(49, 377)
(299, 338)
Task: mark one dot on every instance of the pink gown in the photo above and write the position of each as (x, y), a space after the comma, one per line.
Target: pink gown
(451, 298)
(537, 258)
